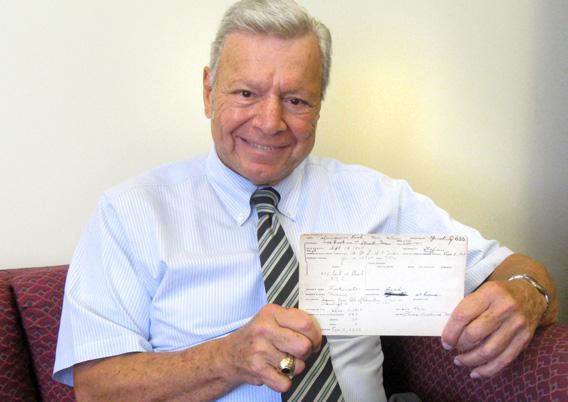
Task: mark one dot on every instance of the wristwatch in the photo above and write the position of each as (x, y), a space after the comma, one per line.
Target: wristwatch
(535, 284)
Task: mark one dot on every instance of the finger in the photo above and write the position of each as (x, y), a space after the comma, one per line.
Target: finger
(479, 329)
(283, 383)
(503, 312)
(466, 311)
(485, 351)
(279, 327)
(274, 379)
(501, 361)
(301, 334)
(276, 357)
(299, 321)
(292, 343)
(264, 367)
(300, 366)
(514, 328)
(271, 340)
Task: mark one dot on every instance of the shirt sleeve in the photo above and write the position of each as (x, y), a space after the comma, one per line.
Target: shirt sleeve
(106, 305)
(419, 214)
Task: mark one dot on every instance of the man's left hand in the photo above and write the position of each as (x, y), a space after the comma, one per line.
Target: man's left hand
(491, 326)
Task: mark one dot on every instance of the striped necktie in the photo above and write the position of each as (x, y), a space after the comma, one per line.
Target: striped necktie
(280, 270)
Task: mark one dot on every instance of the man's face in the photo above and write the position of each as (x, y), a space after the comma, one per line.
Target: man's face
(265, 104)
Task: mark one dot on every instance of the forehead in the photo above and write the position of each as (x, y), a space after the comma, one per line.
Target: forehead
(267, 57)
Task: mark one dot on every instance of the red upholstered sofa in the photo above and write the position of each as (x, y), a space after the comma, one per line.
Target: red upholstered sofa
(30, 307)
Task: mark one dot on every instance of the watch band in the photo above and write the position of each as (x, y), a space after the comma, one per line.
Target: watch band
(535, 284)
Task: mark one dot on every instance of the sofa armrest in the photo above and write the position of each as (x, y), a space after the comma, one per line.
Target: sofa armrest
(421, 365)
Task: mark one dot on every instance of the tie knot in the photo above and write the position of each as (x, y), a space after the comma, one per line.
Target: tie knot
(265, 200)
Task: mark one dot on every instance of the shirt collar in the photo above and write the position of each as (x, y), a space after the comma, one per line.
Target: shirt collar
(289, 189)
(235, 191)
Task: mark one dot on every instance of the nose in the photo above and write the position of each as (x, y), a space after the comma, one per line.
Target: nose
(269, 116)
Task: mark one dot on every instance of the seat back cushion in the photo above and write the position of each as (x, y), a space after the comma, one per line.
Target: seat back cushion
(39, 297)
(16, 374)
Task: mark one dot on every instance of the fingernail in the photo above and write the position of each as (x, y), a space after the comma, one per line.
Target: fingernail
(446, 346)
(475, 376)
(457, 362)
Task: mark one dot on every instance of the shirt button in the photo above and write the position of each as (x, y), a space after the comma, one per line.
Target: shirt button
(241, 218)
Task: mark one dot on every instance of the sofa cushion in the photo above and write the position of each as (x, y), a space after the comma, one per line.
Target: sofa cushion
(39, 297)
(16, 373)
(421, 365)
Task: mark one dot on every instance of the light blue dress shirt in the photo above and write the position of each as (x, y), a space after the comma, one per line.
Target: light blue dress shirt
(169, 260)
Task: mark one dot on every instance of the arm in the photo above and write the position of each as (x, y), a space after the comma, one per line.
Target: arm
(155, 376)
(207, 371)
(492, 325)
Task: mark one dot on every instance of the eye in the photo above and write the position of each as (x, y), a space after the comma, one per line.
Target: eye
(297, 102)
(246, 94)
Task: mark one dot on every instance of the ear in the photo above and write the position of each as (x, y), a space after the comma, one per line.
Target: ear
(207, 91)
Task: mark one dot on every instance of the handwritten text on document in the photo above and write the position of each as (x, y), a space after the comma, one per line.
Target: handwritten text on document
(381, 284)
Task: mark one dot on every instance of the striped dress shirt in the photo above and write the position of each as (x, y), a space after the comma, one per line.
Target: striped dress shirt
(169, 260)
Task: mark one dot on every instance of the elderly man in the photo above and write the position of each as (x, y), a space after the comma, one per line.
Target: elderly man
(184, 285)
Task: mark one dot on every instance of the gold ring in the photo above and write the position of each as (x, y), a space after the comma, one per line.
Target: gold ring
(287, 365)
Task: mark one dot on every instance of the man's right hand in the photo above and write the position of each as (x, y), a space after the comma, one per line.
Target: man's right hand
(254, 352)
(207, 371)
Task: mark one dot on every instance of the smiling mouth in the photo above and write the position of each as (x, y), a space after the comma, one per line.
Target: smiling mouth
(263, 147)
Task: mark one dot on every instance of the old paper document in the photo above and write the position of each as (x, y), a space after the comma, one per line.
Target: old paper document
(381, 284)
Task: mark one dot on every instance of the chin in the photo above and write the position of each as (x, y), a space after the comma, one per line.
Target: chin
(263, 174)
(263, 179)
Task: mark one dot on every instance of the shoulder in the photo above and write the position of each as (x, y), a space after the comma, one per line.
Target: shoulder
(351, 177)
(166, 178)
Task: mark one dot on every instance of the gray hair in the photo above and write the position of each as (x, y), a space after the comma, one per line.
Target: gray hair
(282, 18)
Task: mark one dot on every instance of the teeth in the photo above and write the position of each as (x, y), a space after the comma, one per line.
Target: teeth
(261, 147)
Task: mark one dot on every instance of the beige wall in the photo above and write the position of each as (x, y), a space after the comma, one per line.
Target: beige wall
(466, 100)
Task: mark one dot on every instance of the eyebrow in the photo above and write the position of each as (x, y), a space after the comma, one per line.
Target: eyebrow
(258, 86)
(242, 83)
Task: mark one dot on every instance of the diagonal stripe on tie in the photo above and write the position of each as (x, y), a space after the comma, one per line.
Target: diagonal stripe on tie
(281, 274)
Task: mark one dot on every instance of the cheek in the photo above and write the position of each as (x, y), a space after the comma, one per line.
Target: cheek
(304, 131)
(229, 119)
